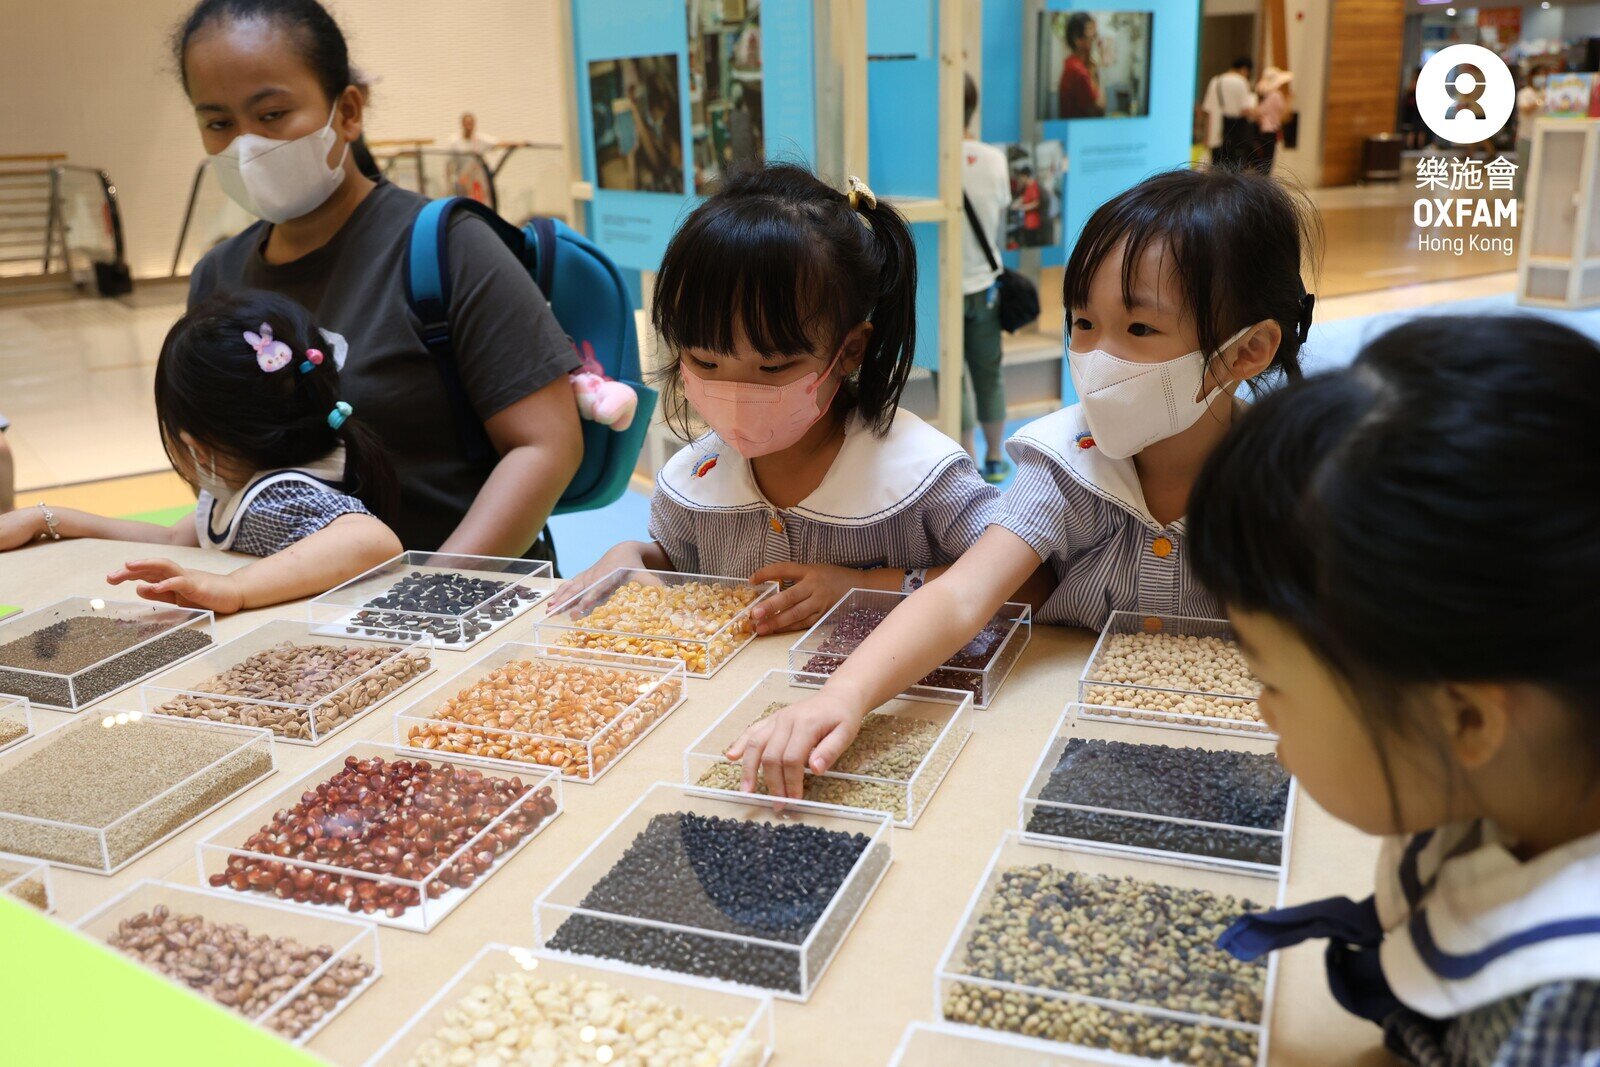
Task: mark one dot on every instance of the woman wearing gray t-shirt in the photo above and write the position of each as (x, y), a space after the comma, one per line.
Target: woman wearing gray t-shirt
(273, 93)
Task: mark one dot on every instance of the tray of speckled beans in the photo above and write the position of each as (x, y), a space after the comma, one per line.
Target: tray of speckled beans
(1109, 780)
(284, 677)
(899, 757)
(285, 971)
(453, 600)
(979, 667)
(730, 887)
(699, 619)
(1173, 669)
(400, 837)
(26, 879)
(563, 1011)
(575, 710)
(1103, 950)
(69, 654)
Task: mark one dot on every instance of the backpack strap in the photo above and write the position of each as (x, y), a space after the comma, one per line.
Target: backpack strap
(428, 292)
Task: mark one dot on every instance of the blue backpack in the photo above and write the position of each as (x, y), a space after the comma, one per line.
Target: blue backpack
(591, 303)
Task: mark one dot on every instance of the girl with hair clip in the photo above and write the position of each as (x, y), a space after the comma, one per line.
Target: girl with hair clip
(1179, 290)
(250, 414)
(790, 307)
(1406, 549)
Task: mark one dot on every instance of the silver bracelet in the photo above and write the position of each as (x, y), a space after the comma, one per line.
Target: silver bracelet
(50, 534)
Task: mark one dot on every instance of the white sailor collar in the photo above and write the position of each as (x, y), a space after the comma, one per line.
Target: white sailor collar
(216, 521)
(1063, 437)
(871, 479)
(1468, 924)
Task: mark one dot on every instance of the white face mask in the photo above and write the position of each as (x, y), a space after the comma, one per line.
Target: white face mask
(1131, 406)
(280, 180)
(205, 477)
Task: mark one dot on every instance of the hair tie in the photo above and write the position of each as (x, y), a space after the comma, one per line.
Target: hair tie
(313, 359)
(270, 355)
(1303, 327)
(859, 194)
(340, 412)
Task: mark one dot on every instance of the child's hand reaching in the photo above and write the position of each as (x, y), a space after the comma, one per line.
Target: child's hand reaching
(817, 587)
(628, 555)
(806, 736)
(172, 584)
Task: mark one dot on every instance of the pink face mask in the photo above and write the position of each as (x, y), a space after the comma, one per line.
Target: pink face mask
(757, 420)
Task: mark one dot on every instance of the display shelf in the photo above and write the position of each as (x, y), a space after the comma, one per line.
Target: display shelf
(575, 710)
(285, 677)
(947, 1045)
(95, 794)
(729, 887)
(1138, 665)
(1016, 962)
(16, 721)
(327, 835)
(980, 667)
(1114, 783)
(455, 600)
(701, 619)
(69, 654)
(330, 962)
(903, 752)
(607, 1014)
(28, 880)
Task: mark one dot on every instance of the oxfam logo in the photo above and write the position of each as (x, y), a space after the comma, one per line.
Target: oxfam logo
(1465, 94)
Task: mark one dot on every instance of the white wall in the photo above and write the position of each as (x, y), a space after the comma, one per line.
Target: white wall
(92, 78)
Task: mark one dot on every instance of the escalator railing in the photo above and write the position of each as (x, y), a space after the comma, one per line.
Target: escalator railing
(60, 226)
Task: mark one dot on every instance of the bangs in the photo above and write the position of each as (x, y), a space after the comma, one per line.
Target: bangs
(747, 269)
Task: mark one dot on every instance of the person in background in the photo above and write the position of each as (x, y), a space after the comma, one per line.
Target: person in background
(986, 185)
(8, 471)
(1415, 130)
(1030, 201)
(1230, 107)
(1274, 110)
(471, 141)
(1078, 94)
(485, 442)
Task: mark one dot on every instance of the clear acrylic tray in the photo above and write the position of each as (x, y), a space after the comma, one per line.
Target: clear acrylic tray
(947, 1045)
(313, 701)
(28, 880)
(878, 778)
(352, 945)
(592, 618)
(94, 794)
(1171, 694)
(401, 599)
(418, 901)
(651, 689)
(74, 650)
(426, 1040)
(1200, 1006)
(980, 667)
(1116, 783)
(16, 721)
(647, 893)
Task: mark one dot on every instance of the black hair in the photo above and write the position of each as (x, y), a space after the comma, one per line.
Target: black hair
(1077, 26)
(1243, 61)
(969, 99)
(210, 386)
(780, 257)
(1425, 516)
(1235, 239)
(315, 34)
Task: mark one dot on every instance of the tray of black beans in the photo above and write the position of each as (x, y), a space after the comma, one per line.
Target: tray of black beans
(1244, 789)
(451, 608)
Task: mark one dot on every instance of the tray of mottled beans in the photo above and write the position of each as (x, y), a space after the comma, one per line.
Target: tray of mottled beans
(699, 619)
(575, 710)
(1173, 669)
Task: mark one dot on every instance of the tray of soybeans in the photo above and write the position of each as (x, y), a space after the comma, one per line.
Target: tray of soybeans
(1175, 670)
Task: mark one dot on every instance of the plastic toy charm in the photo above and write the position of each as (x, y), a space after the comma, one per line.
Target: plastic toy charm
(270, 355)
(602, 399)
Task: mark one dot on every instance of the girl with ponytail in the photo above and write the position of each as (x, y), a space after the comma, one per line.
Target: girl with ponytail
(247, 397)
(789, 308)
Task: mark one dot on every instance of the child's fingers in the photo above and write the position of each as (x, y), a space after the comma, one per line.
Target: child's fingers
(779, 572)
(755, 744)
(795, 615)
(772, 757)
(830, 748)
(770, 611)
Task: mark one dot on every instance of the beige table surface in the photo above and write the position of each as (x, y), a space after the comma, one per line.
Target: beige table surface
(882, 977)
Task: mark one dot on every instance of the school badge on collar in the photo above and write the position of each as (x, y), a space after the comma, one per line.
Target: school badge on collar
(703, 468)
(1084, 440)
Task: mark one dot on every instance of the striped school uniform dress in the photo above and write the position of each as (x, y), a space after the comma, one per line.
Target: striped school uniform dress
(1084, 513)
(909, 499)
(276, 509)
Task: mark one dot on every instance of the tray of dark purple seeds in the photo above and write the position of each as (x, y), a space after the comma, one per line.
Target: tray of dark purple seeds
(1207, 790)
